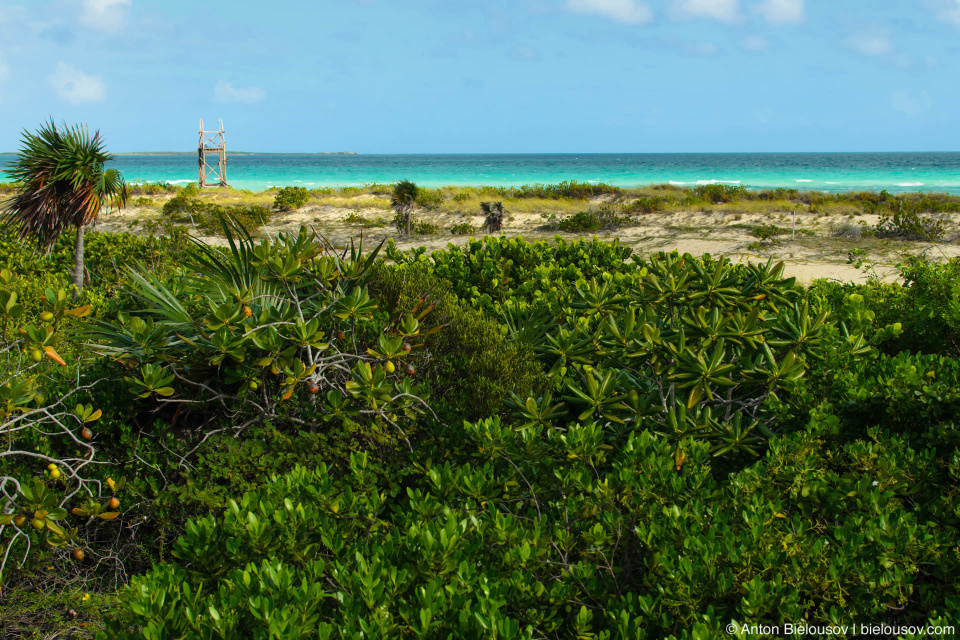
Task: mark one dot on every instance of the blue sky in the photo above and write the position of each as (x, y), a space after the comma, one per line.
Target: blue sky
(449, 76)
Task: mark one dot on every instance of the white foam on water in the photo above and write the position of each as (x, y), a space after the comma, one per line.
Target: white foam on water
(179, 181)
(803, 180)
(592, 181)
(718, 182)
(833, 183)
(909, 184)
(677, 184)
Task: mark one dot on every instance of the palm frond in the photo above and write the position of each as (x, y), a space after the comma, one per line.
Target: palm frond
(62, 183)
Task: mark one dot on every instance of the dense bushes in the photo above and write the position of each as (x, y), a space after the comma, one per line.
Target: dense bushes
(472, 367)
(603, 217)
(206, 216)
(608, 446)
(927, 304)
(288, 198)
(654, 543)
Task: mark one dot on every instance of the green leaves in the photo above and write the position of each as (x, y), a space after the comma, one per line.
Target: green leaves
(153, 379)
(355, 306)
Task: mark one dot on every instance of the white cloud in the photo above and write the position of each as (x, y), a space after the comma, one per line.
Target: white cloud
(226, 92)
(105, 15)
(950, 12)
(720, 10)
(75, 86)
(781, 11)
(625, 11)
(911, 104)
(755, 43)
(870, 45)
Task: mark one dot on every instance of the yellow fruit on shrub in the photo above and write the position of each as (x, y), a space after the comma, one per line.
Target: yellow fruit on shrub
(36, 355)
(389, 368)
(253, 385)
(55, 474)
(37, 523)
(46, 316)
(114, 504)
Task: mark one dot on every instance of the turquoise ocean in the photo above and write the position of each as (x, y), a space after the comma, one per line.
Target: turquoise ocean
(832, 172)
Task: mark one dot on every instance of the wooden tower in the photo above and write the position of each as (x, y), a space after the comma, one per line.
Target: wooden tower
(211, 141)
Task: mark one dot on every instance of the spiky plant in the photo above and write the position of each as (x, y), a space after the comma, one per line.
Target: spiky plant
(494, 215)
(61, 185)
(404, 199)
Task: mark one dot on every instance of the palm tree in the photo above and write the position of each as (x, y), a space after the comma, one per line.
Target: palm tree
(494, 215)
(404, 199)
(62, 184)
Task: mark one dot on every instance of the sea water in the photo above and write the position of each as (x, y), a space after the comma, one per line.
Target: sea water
(831, 172)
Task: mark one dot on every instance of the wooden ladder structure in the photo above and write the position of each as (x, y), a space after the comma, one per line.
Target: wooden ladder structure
(212, 141)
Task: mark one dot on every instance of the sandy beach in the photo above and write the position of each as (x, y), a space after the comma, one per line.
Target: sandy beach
(821, 247)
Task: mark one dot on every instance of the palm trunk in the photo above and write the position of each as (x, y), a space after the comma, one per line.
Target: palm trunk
(78, 264)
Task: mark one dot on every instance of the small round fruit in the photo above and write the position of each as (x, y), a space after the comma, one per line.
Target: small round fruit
(55, 474)
(78, 554)
(36, 355)
(86, 434)
(341, 335)
(46, 316)
(409, 369)
(114, 503)
(312, 387)
(406, 346)
(253, 385)
(389, 368)
(51, 467)
(37, 523)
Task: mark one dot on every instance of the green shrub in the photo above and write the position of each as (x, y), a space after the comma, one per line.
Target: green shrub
(151, 188)
(289, 198)
(474, 366)
(206, 216)
(423, 228)
(557, 535)
(572, 190)
(417, 226)
(927, 303)
(603, 217)
(461, 197)
(143, 202)
(768, 233)
(429, 199)
(717, 193)
(647, 205)
(463, 229)
(252, 217)
(354, 217)
(909, 225)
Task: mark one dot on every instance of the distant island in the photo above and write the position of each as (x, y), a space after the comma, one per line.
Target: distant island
(235, 153)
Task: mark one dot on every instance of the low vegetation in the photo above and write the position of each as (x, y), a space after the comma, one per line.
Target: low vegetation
(505, 438)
